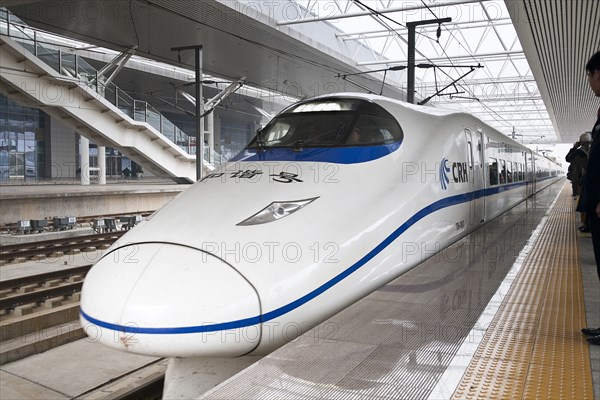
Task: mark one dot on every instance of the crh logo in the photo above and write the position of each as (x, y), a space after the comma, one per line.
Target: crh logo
(444, 169)
(459, 172)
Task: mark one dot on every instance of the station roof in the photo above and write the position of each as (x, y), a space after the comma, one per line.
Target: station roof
(533, 52)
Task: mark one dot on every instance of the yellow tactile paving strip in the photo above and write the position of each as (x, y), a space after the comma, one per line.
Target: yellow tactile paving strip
(533, 349)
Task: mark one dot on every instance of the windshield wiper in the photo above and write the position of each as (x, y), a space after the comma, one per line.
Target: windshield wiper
(260, 144)
(298, 145)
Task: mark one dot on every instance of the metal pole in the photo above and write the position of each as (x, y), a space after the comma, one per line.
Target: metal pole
(199, 106)
(411, 26)
(410, 85)
(199, 111)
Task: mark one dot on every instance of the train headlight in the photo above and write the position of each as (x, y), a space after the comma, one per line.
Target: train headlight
(276, 210)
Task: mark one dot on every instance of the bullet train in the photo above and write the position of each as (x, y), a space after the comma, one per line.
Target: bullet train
(333, 198)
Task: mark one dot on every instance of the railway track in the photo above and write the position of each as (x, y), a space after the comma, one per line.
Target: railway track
(37, 327)
(40, 312)
(38, 288)
(46, 248)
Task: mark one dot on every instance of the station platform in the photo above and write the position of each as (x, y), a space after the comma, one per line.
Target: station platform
(47, 200)
(495, 316)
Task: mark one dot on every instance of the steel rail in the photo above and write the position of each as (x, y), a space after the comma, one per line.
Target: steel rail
(43, 277)
(40, 295)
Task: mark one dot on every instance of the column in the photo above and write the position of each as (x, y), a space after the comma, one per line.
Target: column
(84, 159)
(102, 165)
(211, 136)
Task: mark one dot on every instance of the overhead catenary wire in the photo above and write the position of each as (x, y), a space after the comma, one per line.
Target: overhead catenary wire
(378, 17)
(488, 108)
(381, 15)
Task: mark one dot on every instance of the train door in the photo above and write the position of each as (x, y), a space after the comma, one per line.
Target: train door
(475, 154)
(530, 173)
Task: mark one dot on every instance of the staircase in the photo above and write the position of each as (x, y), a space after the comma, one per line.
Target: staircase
(64, 86)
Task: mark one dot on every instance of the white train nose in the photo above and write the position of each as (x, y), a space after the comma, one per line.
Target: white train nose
(170, 301)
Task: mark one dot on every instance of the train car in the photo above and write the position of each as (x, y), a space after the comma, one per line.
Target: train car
(335, 197)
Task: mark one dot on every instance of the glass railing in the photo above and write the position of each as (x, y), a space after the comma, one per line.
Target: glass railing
(72, 65)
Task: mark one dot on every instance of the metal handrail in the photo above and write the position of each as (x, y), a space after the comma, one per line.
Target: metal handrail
(74, 66)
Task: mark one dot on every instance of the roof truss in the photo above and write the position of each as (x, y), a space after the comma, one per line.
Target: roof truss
(481, 31)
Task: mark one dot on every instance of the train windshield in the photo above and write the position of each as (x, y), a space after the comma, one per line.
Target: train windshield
(330, 123)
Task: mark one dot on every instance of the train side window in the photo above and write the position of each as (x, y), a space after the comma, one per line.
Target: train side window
(493, 171)
(502, 171)
(509, 172)
(521, 172)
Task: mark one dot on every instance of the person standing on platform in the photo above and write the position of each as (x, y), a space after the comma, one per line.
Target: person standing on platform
(591, 181)
(578, 156)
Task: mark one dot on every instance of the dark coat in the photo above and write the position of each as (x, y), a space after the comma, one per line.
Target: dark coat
(591, 180)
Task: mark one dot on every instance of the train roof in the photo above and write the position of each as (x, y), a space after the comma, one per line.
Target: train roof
(441, 112)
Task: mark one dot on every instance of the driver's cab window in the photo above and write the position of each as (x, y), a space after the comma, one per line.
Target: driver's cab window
(371, 129)
(329, 122)
(279, 131)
